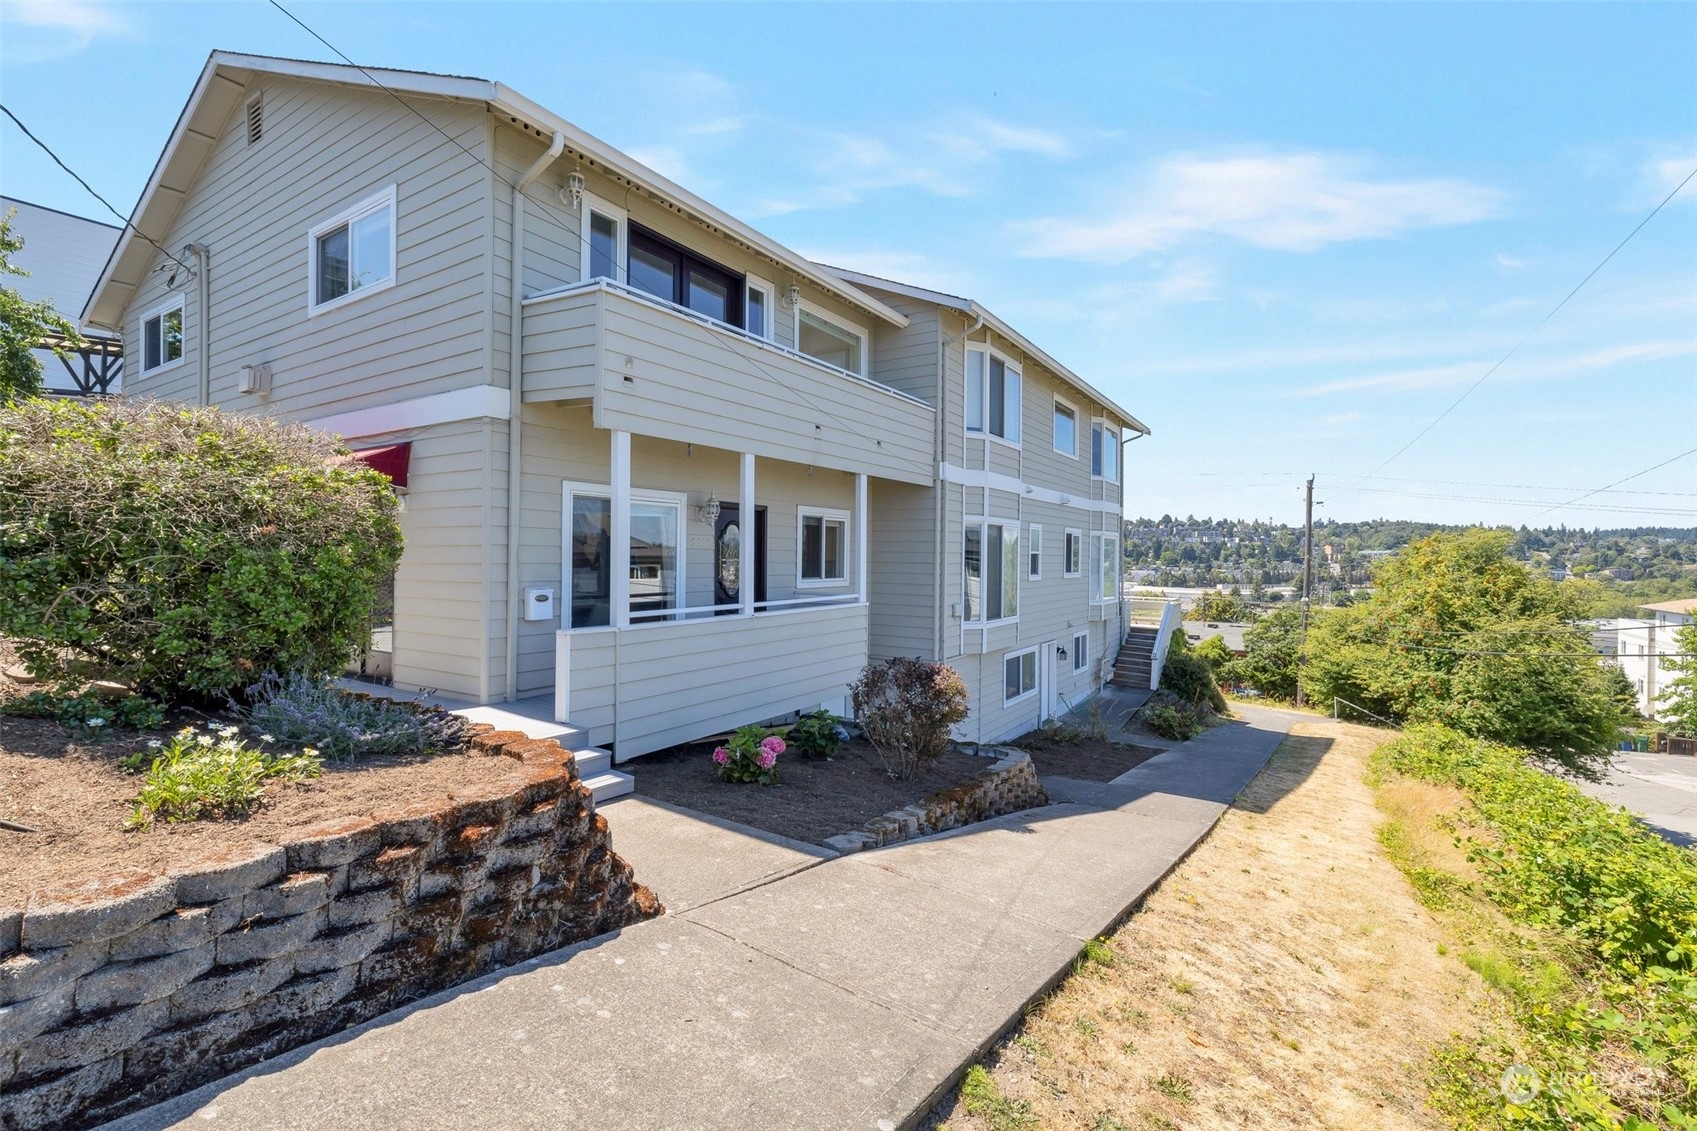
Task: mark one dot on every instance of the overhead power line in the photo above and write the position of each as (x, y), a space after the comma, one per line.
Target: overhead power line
(59, 161)
(1616, 483)
(1516, 348)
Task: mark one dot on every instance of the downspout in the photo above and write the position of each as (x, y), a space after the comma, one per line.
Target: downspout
(940, 493)
(515, 412)
(203, 316)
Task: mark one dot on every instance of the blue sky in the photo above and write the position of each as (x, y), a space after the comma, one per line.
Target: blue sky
(1286, 237)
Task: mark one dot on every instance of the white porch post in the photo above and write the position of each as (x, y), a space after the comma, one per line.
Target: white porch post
(860, 533)
(745, 544)
(620, 568)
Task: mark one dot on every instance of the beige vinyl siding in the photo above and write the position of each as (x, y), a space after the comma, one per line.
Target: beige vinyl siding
(562, 339)
(905, 358)
(326, 148)
(761, 667)
(902, 565)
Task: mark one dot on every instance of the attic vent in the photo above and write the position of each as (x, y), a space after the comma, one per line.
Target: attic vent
(255, 120)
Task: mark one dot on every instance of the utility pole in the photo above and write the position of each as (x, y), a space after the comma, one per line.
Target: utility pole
(1307, 585)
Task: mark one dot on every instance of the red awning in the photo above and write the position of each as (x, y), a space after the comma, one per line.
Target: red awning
(391, 461)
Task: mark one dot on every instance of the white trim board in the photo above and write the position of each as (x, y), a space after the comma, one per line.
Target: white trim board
(478, 402)
(996, 481)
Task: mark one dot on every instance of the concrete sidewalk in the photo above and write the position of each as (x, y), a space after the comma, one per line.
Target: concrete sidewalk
(786, 989)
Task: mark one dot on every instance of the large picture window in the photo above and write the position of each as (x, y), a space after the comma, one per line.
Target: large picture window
(672, 272)
(822, 547)
(353, 252)
(992, 565)
(162, 337)
(992, 395)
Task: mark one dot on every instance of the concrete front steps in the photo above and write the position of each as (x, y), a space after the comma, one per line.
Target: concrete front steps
(1135, 663)
(594, 765)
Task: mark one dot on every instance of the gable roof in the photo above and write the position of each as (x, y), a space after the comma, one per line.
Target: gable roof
(973, 309)
(223, 83)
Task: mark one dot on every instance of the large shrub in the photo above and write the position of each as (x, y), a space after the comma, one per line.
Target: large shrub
(1191, 678)
(906, 708)
(184, 550)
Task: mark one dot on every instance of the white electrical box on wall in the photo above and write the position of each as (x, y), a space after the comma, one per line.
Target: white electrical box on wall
(538, 603)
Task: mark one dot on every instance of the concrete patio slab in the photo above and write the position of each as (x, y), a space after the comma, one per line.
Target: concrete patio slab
(689, 858)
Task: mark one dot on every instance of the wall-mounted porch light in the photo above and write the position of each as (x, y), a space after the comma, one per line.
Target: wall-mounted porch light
(709, 511)
(792, 297)
(571, 193)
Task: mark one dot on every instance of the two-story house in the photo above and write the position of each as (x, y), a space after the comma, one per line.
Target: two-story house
(662, 475)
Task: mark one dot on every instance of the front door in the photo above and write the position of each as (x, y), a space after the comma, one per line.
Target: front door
(1046, 678)
(727, 561)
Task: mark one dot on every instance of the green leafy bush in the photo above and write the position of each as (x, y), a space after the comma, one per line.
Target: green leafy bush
(816, 735)
(87, 714)
(906, 708)
(310, 711)
(210, 774)
(184, 550)
(750, 756)
(1191, 678)
(1176, 723)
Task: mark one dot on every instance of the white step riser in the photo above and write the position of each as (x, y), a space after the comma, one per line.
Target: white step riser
(608, 785)
(592, 761)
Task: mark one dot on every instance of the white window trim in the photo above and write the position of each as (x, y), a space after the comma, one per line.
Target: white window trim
(371, 205)
(1035, 546)
(840, 323)
(164, 308)
(1081, 654)
(1036, 677)
(1073, 532)
(621, 254)
(982, 432)
(831, 515)
(983, 524)
(1108, 442)
(605, 491)
(1077, 420)
(1098, 539)
(756, 283)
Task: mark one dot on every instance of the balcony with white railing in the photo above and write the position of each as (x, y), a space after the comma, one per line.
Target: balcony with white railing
(654, 368)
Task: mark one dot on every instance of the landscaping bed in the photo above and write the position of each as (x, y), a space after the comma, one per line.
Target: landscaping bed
(813, 799)
(1086, 758)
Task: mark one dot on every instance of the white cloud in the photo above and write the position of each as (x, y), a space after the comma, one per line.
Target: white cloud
(1439, 376)
(40, 32)
(667, 160)
(1508, 262)
(1283, 202)
(1667, 172)
(896, 265)
(1189, 281)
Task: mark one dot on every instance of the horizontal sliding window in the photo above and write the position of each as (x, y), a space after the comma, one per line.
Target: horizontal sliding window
(1019, 676)
(823, 552)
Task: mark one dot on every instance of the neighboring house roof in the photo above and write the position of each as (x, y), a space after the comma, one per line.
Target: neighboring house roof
(223, 83)
(62, 252)
(1232, 633)
(1687, 606)
(973, 309)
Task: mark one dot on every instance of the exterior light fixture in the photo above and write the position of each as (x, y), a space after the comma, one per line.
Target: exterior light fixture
(792, 297)
(710, 510)
(572, 193)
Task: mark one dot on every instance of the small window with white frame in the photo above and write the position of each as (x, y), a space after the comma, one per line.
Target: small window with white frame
(1019, 676)
(1104, 568)
(353, 253)
(822, 547)
(605, 229)
(162, 337)
(1104, 451)
(1080, 651)
(1066, 429)
(1073, 554)
(992, 395)
(758, 307)
(990, 557)
(827, 338)
(1034, 553)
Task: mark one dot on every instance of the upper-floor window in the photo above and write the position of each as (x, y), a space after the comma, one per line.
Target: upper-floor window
(353, 252)
(162, 336)
(1105, 568)
(820, 336)
(1066, 429)
(1034, 554)
(822, 550)
(992, 395)
(672, 272)
(1104, 451)
(991, 561)
(603, 250)
(1073, 556)
(757, 307)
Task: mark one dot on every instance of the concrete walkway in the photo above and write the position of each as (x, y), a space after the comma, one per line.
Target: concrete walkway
(785, 989)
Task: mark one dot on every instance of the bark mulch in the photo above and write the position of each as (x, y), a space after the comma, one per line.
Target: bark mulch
(1085, 758)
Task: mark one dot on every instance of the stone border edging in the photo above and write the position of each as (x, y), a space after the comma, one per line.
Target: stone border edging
(1008, 786)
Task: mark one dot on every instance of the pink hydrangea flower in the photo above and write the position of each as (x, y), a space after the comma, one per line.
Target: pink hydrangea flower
(772, 745)
(721, 756)
(766, 758)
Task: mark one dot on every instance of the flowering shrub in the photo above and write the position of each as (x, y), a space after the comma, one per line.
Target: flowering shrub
(210, 773)
(751, 755)
(817, 735)
(304, 711)
(906, 707)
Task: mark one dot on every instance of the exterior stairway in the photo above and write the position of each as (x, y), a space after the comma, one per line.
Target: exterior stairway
(1134, 666)
(594, 765)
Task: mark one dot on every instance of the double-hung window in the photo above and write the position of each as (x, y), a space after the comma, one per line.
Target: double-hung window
(1104, 568)
(1066, 429)
(991, 557)
(1034, 554)
(162, 336)
(353, 253)
(827, 339)
(992, 395)
(822, 547)
(1104, 451)
(1019, 676)
(1073, 553)
(1080, 651)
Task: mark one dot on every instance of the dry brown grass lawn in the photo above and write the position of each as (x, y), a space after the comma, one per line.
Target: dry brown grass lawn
(1284, 976)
